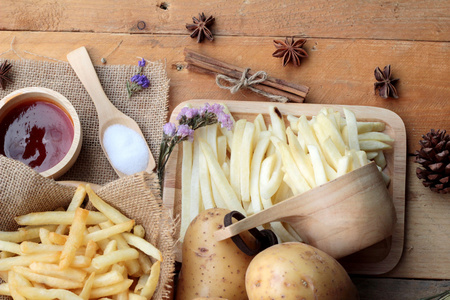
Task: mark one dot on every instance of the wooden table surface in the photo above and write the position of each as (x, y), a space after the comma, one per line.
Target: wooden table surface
(346, 41)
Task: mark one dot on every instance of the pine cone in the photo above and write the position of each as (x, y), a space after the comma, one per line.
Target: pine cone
(435, 160)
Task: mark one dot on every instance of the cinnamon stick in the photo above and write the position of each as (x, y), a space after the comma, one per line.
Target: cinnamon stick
(207, 65)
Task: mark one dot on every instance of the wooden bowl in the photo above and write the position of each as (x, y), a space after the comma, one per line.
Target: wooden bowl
(22, 95)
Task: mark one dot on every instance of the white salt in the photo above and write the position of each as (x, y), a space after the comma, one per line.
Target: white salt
(126, 149)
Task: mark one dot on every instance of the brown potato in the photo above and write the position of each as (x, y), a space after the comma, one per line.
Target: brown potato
(210, 268)
(297, 271)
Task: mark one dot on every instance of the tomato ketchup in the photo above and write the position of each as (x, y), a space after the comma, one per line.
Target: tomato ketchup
(37, 133)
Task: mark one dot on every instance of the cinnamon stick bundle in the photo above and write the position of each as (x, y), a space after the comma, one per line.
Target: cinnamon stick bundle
(207, 65)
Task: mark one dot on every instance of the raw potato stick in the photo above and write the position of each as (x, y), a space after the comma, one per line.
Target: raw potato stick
(235, 157)
(205, 179)
(57, 217)
(352, 129)
(195, 181)
(258, 156)
(218, 176)
(186, 172)
(278, 126)
(245, 160)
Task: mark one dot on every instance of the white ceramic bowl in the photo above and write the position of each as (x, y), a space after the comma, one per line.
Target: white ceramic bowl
(22, 95)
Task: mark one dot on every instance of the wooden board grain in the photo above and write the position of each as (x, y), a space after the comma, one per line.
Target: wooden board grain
(337, 71)
(401, 20)
(377, 259)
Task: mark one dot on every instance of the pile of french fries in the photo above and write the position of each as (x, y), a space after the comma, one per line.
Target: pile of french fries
(256, 166)
(78, 254)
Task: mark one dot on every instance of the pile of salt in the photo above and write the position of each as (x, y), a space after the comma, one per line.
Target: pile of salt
(126, 149)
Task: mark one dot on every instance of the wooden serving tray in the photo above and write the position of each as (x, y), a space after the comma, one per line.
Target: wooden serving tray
(377, 259)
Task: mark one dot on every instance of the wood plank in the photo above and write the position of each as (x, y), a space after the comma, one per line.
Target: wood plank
(398, 289)
(402, 20)
(427, 232)
(337, 71)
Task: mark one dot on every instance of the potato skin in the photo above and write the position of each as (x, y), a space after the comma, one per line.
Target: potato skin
(211, 268)
(297, 271)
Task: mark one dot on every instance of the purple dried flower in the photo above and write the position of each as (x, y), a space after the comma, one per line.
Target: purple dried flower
(225, 120)
(204, 109)
(144, 82)
(182, 112)
(191, 113)
(139, 81)
(185, 131)
(215, 109)
(135, 78)
(141, 63)
(170, 129)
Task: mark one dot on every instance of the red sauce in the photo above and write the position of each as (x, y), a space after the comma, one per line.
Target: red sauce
(37, 133)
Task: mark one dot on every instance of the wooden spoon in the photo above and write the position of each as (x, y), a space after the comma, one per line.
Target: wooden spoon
(108, 114)
(340, 217)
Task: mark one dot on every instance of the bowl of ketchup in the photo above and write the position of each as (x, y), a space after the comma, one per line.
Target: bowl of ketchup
(40, 128)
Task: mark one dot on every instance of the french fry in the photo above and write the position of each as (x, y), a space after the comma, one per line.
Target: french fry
(111, 277)
(32, 247)
(373, 145)
(23, 234)
(108, 232)
(152, 282)
(331, 153)
(219, 178)
(91, 249)
(57, 217)
(235, 160)
(54, 271)
(8, 263)
(255, 169)
(131, 265)
(112, 289)
(77, 200)
(145, 262)
(80, 261)
(114, 257)
(47, 280)
(48, 294)
(142, 245)
(261, 124)
(57, 239)
(245, 160)
(344, 165)
(75, 239)
(141, 283)
(87, 287)
(14, 286)
(352, 130)
(43, 236)
(139, 231)
(4, 289)
(110, 212)
(10, 247)
(293, 121)
(133, 296)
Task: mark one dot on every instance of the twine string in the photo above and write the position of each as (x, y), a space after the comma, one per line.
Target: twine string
(244, 82)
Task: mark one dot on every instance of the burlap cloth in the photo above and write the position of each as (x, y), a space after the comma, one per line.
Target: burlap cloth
(148, 107)
(22, 190)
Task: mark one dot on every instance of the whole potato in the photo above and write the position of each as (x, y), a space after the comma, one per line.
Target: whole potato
(297, 271)
(210, 268)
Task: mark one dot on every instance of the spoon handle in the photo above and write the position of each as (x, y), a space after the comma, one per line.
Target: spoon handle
(82, 65)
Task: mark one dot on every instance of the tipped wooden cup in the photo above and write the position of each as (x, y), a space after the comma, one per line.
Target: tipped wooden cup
(340, 217)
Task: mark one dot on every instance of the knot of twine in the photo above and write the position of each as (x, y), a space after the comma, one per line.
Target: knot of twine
(244, 82)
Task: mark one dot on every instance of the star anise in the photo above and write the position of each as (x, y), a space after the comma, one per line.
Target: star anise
(200, 27)
(384, 84)
(4, 69)
(291, 51)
